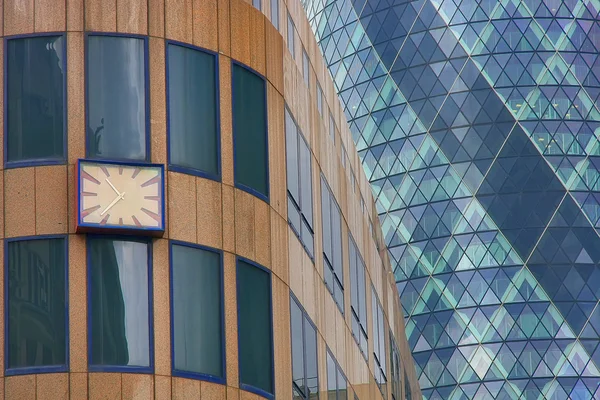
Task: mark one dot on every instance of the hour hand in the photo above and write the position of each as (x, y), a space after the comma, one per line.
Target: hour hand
(113, 187)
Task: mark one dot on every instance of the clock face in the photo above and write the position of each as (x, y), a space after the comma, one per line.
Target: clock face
(120, 196)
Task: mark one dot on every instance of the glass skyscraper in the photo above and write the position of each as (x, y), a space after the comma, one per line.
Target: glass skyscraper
(478, 125)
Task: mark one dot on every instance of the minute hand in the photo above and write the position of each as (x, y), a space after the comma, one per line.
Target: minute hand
(113, 187)
(119, 197)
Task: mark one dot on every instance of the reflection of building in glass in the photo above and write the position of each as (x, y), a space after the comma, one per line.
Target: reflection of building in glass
(477, 124)
(36, 304)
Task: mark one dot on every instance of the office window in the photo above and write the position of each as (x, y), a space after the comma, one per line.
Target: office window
(193, 132)
(358, 297)
(336, 381)
(35, 94)
(251, 162)
(119, 304)
(197, 311)
(331, 218)
(275, 13)
(407, 390)
(344, 156)
(305, 67)
(290, 34)
(331, 127)
(319, 99)
(257, 4)
(36, 295)
(379, 344)
(255, 335)
(116, 98)
(299, 178)
(305, 372)
(395, 368)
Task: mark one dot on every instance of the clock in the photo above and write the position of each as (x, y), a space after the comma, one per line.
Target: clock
(120, 197)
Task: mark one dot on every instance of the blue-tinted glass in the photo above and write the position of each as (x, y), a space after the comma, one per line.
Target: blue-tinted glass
(275, 13)
(35, 106)
(254, 330)
(37, 307)
(251, 163)
(297, 335)
(197, 311)
(116, 98)
(193, 135)
(119, 303)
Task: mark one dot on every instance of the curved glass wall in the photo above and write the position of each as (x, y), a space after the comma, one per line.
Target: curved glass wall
(477, 123)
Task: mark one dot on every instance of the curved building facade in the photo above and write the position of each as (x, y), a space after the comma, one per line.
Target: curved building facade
(477, 124)
(176, 221)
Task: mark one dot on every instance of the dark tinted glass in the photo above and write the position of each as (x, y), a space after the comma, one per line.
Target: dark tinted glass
(197, 302)
(36, 303)
(119, 303)
(312, 367)
(116, 98)
(193, 133)
(35, 98)
(254, 330)
(250, 130)
(297, 347)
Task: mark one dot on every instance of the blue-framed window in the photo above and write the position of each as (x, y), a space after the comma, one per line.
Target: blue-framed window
(35, 100)
(379, 352)
(119, 304)
(36, 299)
(395, 368)
(336, 380)
(255, 328)
(117, 97)
(251, 158)
(290, 34)
(305, 67)
(197, 319)
(299, 184)
(275, 13)
(305, 368)
(358, 304)
(193, 111)
(331, 218)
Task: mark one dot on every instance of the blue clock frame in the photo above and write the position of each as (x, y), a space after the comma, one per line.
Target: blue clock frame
(86, 227)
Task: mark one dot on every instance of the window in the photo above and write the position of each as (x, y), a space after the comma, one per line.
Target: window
(305, 68)
(35, 94)
(332, 245)
(319, 99)
(116, 98)
(192, 107)
(331, 127)
(251, 162)
(36, 295)
(344, 156)
(336, 381)
(358, 297)
(379, 344)
(395, 368)
(197, 312)
(275, 13)
(257, 4)
(290, 34)
(299, 178)
(255, 334)
(407, 391)
(119, 304)
(305, 372)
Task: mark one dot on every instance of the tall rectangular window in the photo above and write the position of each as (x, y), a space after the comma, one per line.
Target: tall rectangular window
(36, 309)
(251, 162)
(358, 297)
(257, 4)
(35, 100)
(119, 304)
(331, 218)
(331, 127)
(319, 99)
(117, 111)
(290, 34)
(336, 381)
(407, 390)
(197, 312)
(299, 178)
(305, 67)
(304, 354)
(395, 369)
(193, 111)
(255, 328)
(275, 13)
(379, 344)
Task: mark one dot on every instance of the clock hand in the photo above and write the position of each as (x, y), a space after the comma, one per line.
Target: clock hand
(119, 197)
(113, 187)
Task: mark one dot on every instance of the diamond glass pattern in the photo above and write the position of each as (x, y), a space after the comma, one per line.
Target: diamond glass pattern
(478, 126)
